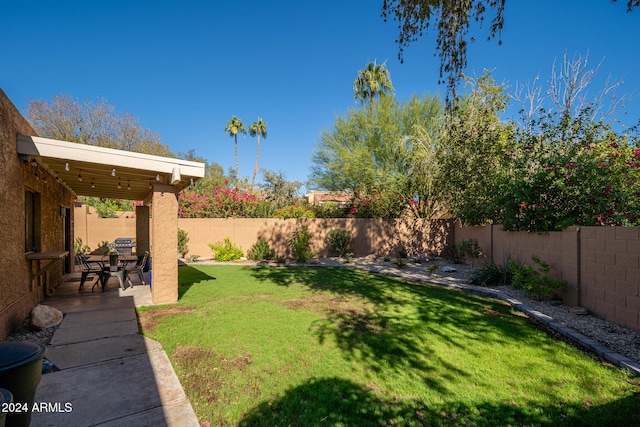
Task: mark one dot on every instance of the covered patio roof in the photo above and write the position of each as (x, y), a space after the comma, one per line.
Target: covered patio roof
(104, 172)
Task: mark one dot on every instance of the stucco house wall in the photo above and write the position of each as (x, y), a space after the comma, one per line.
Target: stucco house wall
(17, 294)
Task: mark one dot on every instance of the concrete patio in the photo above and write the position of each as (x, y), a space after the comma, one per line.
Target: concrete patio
(108, 373)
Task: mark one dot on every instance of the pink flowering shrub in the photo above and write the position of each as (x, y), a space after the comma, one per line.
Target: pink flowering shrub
(590, 179)
(222, 202)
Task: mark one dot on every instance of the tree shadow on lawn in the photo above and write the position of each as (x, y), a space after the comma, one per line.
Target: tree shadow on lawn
(392, 323)
(336, 401)
(188, 276)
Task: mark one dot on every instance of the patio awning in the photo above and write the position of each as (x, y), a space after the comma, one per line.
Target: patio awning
(105, 172)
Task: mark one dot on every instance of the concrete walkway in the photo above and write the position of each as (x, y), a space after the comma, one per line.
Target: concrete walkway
(109, 375)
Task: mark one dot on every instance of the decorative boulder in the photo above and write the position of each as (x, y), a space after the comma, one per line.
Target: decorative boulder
(44, 316)
(448, 269)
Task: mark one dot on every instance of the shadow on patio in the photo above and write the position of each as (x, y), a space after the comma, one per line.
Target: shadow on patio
(106, 371)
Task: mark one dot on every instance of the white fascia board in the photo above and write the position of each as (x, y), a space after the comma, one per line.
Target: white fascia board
(38, 146)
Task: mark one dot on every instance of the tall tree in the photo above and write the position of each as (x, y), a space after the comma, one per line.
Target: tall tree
(278, 190)
(258, 128)
(234, 127)
(94, 123)
(373, 80)
(451, 19)
(375, 154)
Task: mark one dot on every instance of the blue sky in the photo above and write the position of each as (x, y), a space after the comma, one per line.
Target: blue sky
(185, 67)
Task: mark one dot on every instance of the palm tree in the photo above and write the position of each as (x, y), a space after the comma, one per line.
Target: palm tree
(257, 128)
(234, 127)
(372, 81)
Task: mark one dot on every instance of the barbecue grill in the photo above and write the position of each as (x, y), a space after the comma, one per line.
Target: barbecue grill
(123, 245)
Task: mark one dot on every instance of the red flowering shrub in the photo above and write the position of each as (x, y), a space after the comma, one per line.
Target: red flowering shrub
(222, 202)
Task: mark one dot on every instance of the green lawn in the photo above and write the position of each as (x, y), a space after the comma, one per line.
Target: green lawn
(336, 346)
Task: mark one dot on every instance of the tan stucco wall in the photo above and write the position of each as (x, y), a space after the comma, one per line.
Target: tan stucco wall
(16, 298)
(94, 230)
(369, 236)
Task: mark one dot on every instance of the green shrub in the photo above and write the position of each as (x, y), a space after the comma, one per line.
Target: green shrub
(452, 254)
(79, 247)
(261, 251)
(457, 254)
(399, 263)
(183, 242)
(402, 252)
(102, 247)
(300, 242)
(225, 250)
(493, 274)
(536, 281)
(294, 211)
(339, 239)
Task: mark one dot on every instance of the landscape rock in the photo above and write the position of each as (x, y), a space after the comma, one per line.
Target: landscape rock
(44, 316)
(578, 310)
(370, 257)
(448, 269)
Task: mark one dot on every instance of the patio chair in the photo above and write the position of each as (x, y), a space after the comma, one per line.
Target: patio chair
(112, 266)
(87, 269)
(137, 269)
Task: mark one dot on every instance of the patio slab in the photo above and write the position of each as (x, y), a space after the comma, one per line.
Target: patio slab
(93, 332)
(95, 301)
(85, 353)
(96, 317)
(112, 391)
(108, 373)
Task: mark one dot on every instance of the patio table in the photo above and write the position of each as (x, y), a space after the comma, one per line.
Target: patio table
(109, 270)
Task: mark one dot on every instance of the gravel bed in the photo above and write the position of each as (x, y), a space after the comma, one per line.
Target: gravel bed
(618, 338)
(23, 334)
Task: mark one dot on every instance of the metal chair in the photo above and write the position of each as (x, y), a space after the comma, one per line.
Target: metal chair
(137, 269)
(113, 265)
(87, 269)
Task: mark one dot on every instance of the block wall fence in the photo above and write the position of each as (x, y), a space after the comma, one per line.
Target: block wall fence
(600, 264)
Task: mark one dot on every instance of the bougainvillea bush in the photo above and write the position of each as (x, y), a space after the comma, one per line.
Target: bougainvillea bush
(569, 176)
(223, 202)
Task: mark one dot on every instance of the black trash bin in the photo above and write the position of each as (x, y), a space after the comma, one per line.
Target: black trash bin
(20, 372)
(5, 398)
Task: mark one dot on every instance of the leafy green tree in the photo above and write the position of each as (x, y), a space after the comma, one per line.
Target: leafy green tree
(473, 149)
(108, 208)
(371, 154)
(372, 81)
(258, 128)
(278, 190)
(235, 126)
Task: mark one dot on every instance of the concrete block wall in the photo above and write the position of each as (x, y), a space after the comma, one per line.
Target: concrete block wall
(610, 273)
(600, 264)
